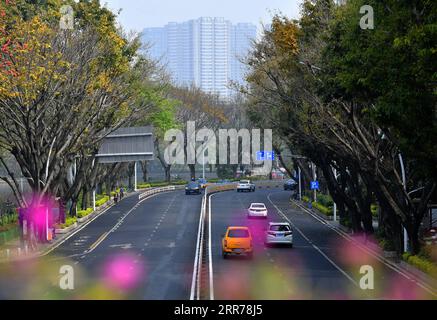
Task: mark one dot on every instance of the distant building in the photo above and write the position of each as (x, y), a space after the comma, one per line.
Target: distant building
(205, 52)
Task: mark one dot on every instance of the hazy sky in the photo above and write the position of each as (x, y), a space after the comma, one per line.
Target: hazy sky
(139, 14)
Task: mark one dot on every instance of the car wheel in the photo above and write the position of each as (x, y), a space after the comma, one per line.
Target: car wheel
(186, 193)
(291, 245)
(224, 255)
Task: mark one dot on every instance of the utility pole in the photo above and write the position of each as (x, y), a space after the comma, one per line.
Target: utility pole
(404, 183)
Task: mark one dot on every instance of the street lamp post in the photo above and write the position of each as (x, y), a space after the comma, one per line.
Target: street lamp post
(203, 164)
(404, 183)
(300, 184)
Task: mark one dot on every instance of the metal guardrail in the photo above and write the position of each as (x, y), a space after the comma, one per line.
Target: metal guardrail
(152, 191)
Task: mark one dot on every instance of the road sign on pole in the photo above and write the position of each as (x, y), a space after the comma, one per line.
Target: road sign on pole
(314, 185)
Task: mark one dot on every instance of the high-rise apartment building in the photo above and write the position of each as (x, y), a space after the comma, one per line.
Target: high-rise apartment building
(205, 52)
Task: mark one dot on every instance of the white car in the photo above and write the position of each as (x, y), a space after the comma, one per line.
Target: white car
(279, 233)
(245, 185)
(257, 210)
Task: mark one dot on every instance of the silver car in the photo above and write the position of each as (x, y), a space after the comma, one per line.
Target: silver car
(279, 233)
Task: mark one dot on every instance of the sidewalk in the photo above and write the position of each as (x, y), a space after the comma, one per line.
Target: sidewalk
(374, 249)
(15, 250)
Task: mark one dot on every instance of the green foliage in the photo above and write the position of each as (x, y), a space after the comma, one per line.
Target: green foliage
(398, 80)
(84, 213)
(374, 209)
(143, 185)
(102, 201)
(325, 210)
(325, 200)
(306, 199)
(8, 219)
(69, 221)
(421, 263)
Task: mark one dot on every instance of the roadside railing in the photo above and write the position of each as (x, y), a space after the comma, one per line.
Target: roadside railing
(151, 191)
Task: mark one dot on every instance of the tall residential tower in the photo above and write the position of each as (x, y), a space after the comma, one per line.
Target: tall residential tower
(206, 52)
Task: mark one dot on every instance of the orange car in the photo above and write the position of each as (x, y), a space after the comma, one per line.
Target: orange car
(238, 241)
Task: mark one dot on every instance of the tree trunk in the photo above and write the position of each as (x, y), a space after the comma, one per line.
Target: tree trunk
(145, 170)
(192, 168)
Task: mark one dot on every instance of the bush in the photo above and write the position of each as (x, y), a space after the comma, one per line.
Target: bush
(306, 199)
(69, 221)
(84, 213)
(102, 201)
(326, 211)
(325, 200)
(143, 185)
(374, 209)
(421, 263)
(8, 219)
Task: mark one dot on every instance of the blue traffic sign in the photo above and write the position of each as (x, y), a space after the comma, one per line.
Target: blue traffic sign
(265, 156)
(314, 185)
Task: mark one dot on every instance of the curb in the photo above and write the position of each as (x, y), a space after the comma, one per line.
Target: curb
(409, 272)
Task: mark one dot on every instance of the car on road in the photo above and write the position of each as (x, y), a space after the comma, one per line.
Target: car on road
(245, 185)
(203, 183)
(290, 185)
(237, 241)
(193, 187)
(257, 210)
(279, 233)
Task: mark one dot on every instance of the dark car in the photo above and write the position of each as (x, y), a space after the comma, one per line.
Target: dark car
(193, 187)
(290, 185)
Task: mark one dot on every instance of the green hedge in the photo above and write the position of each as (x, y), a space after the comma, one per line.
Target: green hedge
(306, 199)
(84, 213)
(8, 219)
(325, 200)
(374, 209)
(421, 263)
(102, 201)
(143, 185)
(68, 222)
(325, 210)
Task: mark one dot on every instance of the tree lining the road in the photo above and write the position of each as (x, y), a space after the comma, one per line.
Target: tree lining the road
(306, 81)
(67, 91)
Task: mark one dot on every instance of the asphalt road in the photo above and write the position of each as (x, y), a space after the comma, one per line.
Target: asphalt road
(321, 265)
(133, 251)
(146, 250)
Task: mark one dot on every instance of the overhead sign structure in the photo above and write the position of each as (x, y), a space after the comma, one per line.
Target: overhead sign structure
(127, 145)
(314, 185)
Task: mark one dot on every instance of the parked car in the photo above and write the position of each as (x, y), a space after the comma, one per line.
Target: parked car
(245, 185)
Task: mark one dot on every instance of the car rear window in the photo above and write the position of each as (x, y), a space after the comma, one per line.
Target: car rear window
(238, 233)
(279, 228)
(258, 206)
(244, 181)
(193, 185)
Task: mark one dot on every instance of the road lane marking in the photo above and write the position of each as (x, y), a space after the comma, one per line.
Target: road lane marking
(211, 281)
(370, 252)
(197, 255)
(98, 241)
(313, 245)
(117, 225)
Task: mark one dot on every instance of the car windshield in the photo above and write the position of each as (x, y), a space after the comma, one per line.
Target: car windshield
(244, 181)
(279, 227)
(238, 233)
(290, 181)
(193, 185)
